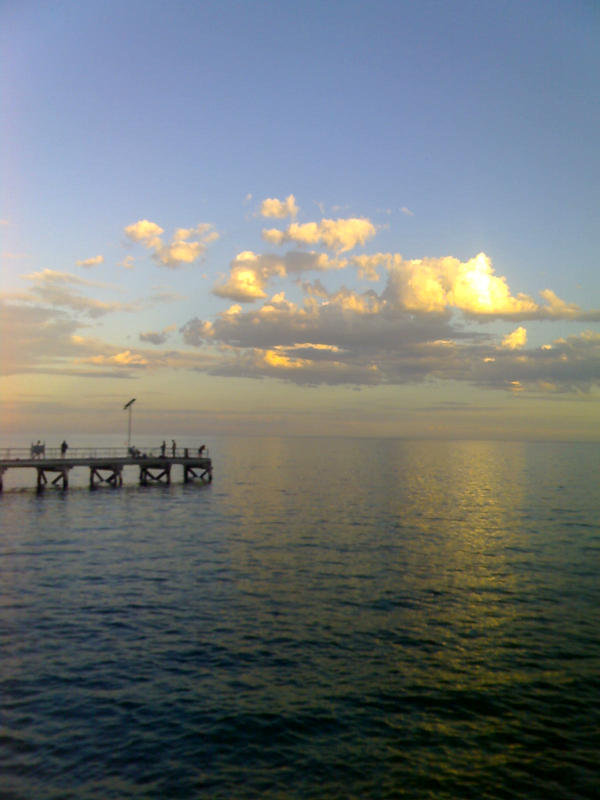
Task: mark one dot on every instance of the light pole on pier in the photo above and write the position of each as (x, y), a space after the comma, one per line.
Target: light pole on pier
(129, 405)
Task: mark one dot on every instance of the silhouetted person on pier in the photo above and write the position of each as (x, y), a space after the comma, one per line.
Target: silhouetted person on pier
(163, 448)
(38, 449)
(173, 447)
(63, 448)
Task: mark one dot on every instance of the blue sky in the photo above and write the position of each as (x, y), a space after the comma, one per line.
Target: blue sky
(395, 141)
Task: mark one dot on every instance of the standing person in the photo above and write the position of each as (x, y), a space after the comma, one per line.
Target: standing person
(63, 448)
(163, 448)
(173, 447)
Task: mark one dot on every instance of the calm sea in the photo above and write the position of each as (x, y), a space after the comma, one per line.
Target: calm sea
(328, 619)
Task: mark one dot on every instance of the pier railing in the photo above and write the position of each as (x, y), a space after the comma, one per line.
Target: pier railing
(41, 452)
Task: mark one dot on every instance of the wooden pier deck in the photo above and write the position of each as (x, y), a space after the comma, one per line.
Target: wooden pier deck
(106, 464)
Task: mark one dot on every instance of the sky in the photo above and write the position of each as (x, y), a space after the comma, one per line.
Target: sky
(338, 218)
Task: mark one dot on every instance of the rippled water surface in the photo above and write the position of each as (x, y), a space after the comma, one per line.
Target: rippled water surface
(328, 619)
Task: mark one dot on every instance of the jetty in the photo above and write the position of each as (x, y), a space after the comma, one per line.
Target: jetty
(106, 465)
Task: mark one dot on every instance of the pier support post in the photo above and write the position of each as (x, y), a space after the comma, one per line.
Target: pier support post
(146, 475)
(62, 477)
(189, 473)
(41, 479)
(114, 478)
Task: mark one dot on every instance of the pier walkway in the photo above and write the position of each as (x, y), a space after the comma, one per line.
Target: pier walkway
(106, 464)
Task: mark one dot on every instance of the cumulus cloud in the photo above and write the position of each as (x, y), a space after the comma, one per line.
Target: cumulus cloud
(247, 278)
(413, 330)
(343, 319)
(368, 265)
(157, 337)
(154, 337)
(436, 284)
(555, 307)
(340, 235)
(251, 272)
(337, 343)
(272, 207)
(515, 340)
(186, 246)
(91, 262)
(146, 232)
(426, 285)
(339, 346)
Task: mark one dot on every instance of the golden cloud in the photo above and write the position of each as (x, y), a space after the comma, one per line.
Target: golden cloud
(515, 340)
(247, 278)
(438, 284)
(272, 207)
(123, 359)
(91, 262)
(340, 235)
(146, 232)
(369, 264)
(557, 307)
(250, 272)
(181, 250)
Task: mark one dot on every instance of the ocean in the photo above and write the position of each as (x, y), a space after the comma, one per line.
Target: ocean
(330, 618)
